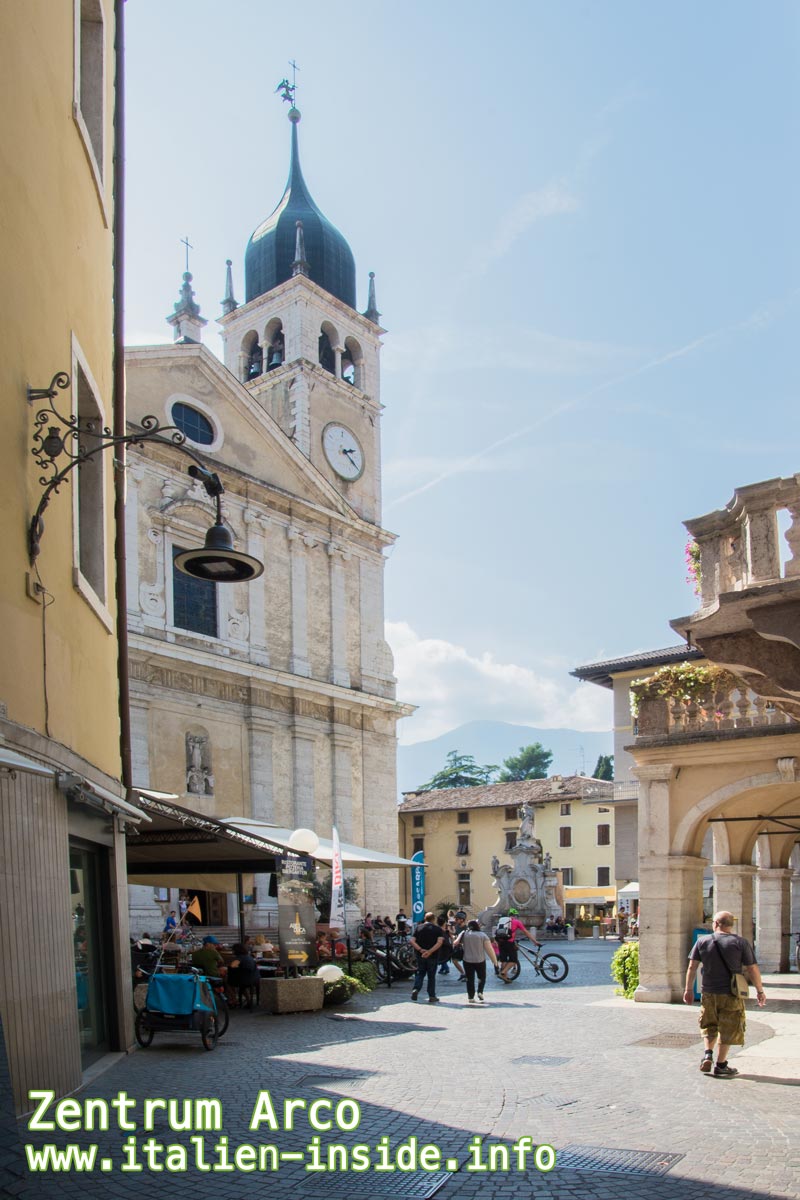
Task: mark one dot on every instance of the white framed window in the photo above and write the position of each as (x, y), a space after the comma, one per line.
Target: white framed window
(197, 421)
(89, 510)
(604, 876)
(89, 90)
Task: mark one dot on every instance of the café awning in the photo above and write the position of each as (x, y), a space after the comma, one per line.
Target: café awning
(352, 856)
(630, 891)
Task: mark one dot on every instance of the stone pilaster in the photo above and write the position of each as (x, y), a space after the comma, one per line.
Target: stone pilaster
(339, 673)
(255, 525)
(342, 750)
(733, 892)
(671, 906)
(303, 771)
(298, 663)
(773, 912)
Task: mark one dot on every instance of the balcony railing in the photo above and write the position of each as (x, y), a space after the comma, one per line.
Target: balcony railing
(737, 711)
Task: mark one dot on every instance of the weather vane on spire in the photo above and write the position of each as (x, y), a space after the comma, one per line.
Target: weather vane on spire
(286, 89)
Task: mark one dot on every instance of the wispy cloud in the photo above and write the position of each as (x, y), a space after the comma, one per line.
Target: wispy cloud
(453, 686)
(552, 200)
(759, 320)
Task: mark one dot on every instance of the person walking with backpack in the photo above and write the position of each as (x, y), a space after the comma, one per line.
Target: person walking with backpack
(508, 929)
(724, 955)
(476, 947)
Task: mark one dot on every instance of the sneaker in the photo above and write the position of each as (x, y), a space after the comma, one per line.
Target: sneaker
(414, 994)
(470, 999)
(435, 1000)
(706, 1065)
(724, 1071)
(480, 997)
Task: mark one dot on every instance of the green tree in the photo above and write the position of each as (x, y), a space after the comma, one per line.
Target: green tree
(604, 768)
(321, 887)
(461, 771)
(532, 762)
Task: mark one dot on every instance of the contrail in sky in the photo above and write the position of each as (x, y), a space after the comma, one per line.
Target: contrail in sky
(760, 317)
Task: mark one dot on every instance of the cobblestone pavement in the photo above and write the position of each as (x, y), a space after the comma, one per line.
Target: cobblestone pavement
(567, 1065)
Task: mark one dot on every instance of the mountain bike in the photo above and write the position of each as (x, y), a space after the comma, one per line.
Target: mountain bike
(552, 967)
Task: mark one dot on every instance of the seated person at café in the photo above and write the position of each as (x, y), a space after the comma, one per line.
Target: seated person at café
(243, 973)
(208, 959)
(324, 947)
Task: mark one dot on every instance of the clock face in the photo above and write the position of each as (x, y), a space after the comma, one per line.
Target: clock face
(343, 451)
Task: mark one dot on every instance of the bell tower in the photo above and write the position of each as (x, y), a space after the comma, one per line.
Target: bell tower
(300, 347)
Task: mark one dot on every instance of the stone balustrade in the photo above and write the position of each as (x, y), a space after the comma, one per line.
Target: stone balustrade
(739, 545)
(673, 717)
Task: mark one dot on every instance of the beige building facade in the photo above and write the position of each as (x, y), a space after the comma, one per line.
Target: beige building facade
(65, 985)
(273, 699)
(461, 830)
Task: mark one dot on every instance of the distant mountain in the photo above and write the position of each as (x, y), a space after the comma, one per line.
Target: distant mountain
(574, 752)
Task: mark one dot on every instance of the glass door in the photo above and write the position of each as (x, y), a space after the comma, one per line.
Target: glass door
(89, 895)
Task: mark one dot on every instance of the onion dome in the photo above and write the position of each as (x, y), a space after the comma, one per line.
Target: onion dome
(271, 251)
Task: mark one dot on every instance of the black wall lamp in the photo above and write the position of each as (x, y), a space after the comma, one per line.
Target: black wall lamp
(218, 561)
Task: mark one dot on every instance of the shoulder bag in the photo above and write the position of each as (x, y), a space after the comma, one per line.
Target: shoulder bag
(739, 984)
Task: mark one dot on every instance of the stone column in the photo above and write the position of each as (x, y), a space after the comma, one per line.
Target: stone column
(337, 364)
(671, 905)
(339, 672)
(733, 892)
(795, 866)
(298, 663)
(772, 918)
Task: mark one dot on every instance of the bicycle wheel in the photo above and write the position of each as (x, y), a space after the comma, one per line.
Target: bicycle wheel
(553, 968)
(223, 1015)
(209, 1033)
(513, 971)
(144, 1034)
(406, 957)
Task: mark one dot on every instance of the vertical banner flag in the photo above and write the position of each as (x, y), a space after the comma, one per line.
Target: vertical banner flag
(337, 917)
(297, 925)
(417, 888)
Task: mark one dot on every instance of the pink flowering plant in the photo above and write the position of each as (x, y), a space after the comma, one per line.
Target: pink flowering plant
(692, 557)
(686, 681)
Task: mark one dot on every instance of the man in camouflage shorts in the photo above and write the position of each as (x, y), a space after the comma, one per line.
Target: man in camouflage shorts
(722, 1022)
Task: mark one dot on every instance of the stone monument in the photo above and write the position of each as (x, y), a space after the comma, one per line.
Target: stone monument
(529, 885)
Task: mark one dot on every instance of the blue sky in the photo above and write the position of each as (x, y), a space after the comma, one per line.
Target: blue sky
(582, 219)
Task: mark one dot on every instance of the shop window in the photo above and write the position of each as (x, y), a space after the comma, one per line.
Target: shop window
(194, 601)
(419, 820)
(567, 874)
(462, 844)
(603, 876)
(566, 809)
(565, 835)
(464, 885)
(511, 839)
(604, 835)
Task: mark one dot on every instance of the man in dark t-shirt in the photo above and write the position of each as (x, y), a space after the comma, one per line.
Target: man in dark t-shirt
(426, 940)
(723, 954)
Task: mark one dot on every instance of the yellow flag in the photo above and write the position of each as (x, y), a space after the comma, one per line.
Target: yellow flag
(193, 909)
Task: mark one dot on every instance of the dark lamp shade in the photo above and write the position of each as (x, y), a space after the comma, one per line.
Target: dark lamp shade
(218, 561)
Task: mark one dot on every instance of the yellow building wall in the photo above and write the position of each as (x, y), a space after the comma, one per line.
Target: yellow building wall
(57, 290)
(486, 829)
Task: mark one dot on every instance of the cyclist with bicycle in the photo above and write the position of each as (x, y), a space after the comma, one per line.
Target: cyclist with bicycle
(507, 947)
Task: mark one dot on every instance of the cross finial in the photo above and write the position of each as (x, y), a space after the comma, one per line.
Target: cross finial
(286, 89)
(185, 242)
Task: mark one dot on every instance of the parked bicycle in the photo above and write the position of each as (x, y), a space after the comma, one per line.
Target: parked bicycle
(552, 967)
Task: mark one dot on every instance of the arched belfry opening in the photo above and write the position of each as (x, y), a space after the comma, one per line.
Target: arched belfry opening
(353, 363)
(327, 342)
(252, 357)
(275, 344)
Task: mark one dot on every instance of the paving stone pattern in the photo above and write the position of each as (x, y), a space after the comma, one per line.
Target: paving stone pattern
(551, 1061)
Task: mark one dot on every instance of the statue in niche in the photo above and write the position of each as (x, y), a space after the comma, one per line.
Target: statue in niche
(199, 777)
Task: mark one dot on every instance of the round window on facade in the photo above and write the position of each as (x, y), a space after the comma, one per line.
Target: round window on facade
(192, 424)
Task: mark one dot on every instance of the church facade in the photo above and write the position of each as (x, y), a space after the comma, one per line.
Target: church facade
(272, 699)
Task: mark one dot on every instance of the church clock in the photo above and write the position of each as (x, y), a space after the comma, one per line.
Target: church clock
(343, 451)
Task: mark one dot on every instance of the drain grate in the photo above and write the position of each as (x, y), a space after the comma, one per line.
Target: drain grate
(540, 1060)
(617, 1162)
(669, 1041)
(417, 1184)
(545, 1100)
